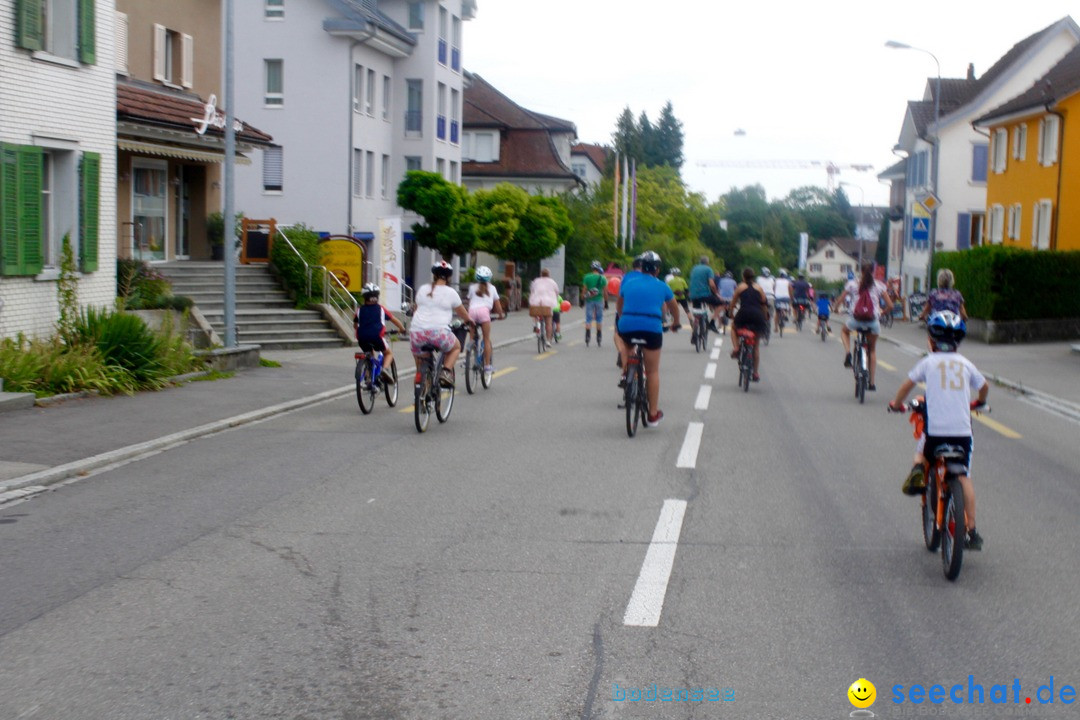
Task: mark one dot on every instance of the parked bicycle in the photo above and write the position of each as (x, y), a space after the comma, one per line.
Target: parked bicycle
(942, 504)
(860, 364)
(371, 377)
(635, 395)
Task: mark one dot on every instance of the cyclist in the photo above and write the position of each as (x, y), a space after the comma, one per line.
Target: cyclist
(556, 318)
(824, 308)
(944, 297)
(543, 294)
(640, 307)
(483, 300)
(703, 291)
(593, 286)
(767, 283)
(680, 287)
(630, 275)
(370, 324)
(800, 295)
(866, 293)
(752, 315)
(782, 291)
(949, 378)
(435, 304)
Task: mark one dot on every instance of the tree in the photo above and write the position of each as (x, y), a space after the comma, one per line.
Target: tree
(652, 145)
(668, 144)
(497, 216)
(627, 138)
(543, 229)
(446, 227)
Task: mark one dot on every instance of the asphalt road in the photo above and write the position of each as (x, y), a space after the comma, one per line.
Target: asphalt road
(324, 564)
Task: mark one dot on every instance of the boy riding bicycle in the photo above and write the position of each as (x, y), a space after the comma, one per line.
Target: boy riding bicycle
(949, 378)
(370, 325)
(824, 308)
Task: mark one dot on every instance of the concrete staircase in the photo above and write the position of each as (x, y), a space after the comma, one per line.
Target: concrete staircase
(264, 313)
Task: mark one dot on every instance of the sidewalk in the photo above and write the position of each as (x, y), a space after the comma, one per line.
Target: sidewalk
(1044, 370)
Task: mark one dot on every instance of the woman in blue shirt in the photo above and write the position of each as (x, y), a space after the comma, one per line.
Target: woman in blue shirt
(640, 310)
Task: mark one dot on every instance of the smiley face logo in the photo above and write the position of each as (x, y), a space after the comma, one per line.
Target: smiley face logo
(862, 693)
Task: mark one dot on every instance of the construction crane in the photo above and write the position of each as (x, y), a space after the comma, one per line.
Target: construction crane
(832, 169)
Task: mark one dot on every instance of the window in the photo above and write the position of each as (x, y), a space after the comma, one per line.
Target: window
(275, 83)
(978, 162)
(369, 97)
(386, 97)
(416, 16)
(273, 170)
(149, 208)
(830, 254)
(413, 162)
(358, 86)
(440, 167)
(174, 62)
(384, 180)
(61, 28)
(275, 9)
(455, 127)
(440, 117)
(1016, 213)
(1019, 151)
(917, 169)
(815, 267)
(1048, 140)
(997, 224)
(454, 172)
(846, 268)
(455, 45)
(369, 173)
(1001, 150)
(480, 147)
(1040, 232)
(578, 169)
(414, 112)
(46, 194)
(443, 21)
(358, 173)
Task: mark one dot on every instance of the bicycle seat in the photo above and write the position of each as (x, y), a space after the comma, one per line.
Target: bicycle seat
(954, 457)
(429, 348)
(637, 341)
(746, 334)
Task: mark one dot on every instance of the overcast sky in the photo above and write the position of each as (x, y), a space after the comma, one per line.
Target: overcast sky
(805, 80)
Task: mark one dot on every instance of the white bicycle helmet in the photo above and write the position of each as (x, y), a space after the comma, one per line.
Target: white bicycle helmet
(483, 273)
(442, 269)
(369, 290)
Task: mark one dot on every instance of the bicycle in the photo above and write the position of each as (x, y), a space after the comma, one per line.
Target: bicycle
(476, 372)
(860, 364)
(823, 329)
(700, 325)
(748, 341)
(428, 392)
(371, 375)
(942, 504)
(635, 395)
(542, 343)
(800, 314)
(781, 317)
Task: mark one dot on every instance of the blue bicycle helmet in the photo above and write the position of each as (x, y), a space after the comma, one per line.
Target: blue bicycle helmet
(483, 273)
(947, 329)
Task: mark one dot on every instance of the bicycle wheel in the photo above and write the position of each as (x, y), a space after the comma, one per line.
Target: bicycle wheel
(470, 368)
(931, 534)
(485, 374)
(631, 398)
(540, 339)
(783, 321)
(860, 387)
(421, 410)
(444, 403)
(953, 533)
(824, 333)
(365, 388)
(746, 366)
(391, 389)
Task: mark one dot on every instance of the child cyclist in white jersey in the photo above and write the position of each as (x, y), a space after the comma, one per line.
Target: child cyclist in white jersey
(949, 378)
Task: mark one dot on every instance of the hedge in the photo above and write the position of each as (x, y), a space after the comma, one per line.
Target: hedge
(290, 268)
(1010, 283)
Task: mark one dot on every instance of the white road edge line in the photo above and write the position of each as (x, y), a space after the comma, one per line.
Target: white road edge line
(710, 371)
(703, 394)
(691, 442)
(647, 600)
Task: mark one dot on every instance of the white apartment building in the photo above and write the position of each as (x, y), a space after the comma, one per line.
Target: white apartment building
(57, 158)
(959, 221)
(355, 93)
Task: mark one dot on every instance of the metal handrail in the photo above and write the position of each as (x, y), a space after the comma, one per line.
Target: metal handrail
(340, 296)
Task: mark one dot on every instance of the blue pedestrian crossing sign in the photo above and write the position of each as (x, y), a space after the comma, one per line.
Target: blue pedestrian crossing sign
(920, 229)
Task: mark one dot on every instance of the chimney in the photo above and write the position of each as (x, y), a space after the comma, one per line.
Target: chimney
(971, 71)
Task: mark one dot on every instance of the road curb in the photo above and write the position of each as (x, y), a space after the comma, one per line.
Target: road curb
(35, 482)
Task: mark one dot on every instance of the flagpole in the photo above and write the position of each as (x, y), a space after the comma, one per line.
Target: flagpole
(625, 199)
(615, 203)
(633, 201)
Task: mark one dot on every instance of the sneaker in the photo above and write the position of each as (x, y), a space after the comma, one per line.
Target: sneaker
(618, 360)
(974, 540)
(446, 377)
(915, 482)
(622, 382)
(387, 379)
(712, 326)
(755, 377)
(735, 353)
(654, 420)
(847, 360)
(489, 368)
(872, 387)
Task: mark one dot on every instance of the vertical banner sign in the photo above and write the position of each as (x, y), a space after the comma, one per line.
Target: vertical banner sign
(390, 270)
(804, 247)
(633, 201)
(625, 200)
(615, 202)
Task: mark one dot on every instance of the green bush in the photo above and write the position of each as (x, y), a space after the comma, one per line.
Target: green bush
(126, 342)
(49, 367)
(141, 287)
(290, 268)
(1010, 283)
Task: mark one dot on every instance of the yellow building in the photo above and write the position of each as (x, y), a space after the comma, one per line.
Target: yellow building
(1033, 183)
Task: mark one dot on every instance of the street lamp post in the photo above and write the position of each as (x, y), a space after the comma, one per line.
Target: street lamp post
(937, 145)
(862, 218)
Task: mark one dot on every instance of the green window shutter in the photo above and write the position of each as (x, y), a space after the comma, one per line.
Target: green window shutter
(87, 43)
(89, 197)
(30, 225)
(31, 34)
(10, 260)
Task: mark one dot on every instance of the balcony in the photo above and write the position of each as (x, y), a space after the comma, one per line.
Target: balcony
(442, 51)
(440, 127)
(414, 121)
